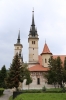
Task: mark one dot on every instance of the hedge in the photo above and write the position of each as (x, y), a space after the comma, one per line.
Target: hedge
(1, 91)
(45, 91)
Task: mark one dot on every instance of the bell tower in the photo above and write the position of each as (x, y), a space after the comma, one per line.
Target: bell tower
(33, 43)
(18, 48)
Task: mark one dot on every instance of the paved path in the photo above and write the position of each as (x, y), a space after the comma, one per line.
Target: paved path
(7, 94)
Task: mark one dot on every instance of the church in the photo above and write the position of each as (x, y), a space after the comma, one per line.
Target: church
(37, 64)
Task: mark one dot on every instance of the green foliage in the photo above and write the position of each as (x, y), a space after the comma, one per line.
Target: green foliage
(44, 89)
(41, 96)
(51, 75)
(29, 80)
(3, 75)
(56, 73)
(65, 63)
(17, 73)
(13, 78)
(1, 91)
(11, 98)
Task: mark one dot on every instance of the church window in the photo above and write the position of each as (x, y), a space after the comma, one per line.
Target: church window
(33, 48)
(32, 42)
(38, 81)
(45, 60)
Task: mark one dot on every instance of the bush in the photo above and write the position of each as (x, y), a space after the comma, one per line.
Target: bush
(44, 89)
(31, 91)
(1, 91)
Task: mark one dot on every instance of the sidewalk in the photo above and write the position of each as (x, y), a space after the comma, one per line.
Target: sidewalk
(7, 94)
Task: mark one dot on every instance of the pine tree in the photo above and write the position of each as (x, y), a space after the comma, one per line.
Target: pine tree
(3, 75)
(13, 78)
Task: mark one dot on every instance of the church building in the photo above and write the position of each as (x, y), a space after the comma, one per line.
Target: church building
(37, 64)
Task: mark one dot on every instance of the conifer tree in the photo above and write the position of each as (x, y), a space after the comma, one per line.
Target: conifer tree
(3, 75)
(13, 78)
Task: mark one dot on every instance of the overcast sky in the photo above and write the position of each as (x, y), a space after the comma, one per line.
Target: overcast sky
(50, 20)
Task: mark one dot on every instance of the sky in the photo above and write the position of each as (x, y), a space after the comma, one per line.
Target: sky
(50, 20)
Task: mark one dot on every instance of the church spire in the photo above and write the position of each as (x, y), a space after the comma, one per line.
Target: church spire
(33, 30)
(33, 24)
(18, 40)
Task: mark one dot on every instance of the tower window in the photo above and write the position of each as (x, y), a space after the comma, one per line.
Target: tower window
(33, 48)
(45, 60)
(38, 81)
(34, 42)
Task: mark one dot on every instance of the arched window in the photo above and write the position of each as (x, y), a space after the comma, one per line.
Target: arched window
(45, 60)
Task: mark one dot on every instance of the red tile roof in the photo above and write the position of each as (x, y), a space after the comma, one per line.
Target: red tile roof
(46, 50)
(62, 57)
(38, 68)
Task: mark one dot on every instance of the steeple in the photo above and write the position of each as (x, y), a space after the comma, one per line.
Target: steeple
(46, 49)
(18, 40)
(33, 31)
(33, 24)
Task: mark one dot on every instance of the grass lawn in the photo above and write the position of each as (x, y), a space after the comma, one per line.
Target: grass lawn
(41, 96)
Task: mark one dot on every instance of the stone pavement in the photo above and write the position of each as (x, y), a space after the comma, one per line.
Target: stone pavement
(7, 94)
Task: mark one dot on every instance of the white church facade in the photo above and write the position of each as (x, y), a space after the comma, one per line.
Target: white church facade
(37, 64)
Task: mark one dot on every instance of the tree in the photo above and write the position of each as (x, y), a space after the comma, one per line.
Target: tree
(28, 78)
(65, 63)
(3, 75)
(17, 73)
(59, 71)
(55, 73)
(25, 74)
(13, 78)
(64, 71)
(51, 74)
